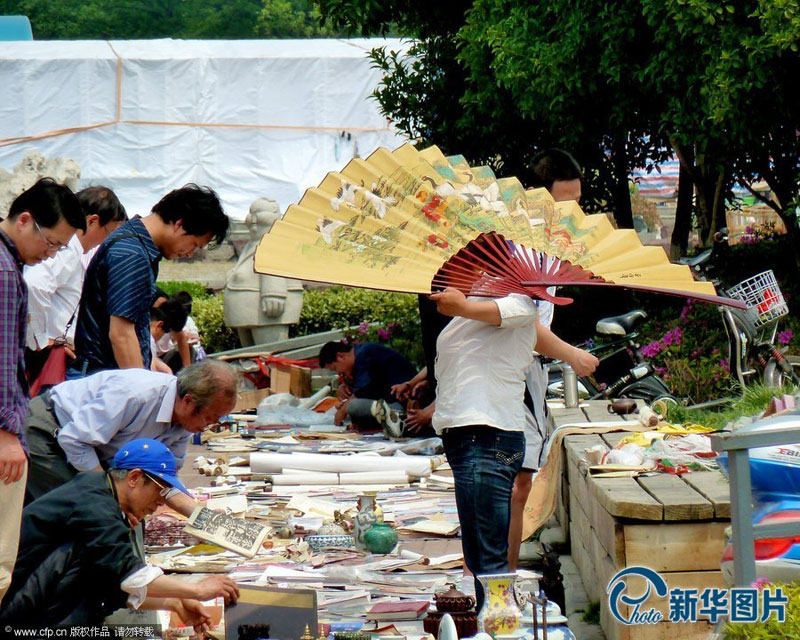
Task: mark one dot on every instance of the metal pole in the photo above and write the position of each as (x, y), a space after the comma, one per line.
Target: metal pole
(742, 518)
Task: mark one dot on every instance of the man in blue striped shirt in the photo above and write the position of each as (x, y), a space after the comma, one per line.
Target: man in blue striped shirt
(113, 330)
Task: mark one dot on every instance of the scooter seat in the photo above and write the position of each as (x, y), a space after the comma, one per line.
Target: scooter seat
(621, 325)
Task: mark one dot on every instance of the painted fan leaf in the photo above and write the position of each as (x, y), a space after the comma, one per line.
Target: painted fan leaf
(409, 221)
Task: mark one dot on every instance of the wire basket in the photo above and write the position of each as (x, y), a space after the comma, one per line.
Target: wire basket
(763, 297)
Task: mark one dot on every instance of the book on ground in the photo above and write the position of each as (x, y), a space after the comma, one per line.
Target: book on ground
(237, 534)
(407, 610)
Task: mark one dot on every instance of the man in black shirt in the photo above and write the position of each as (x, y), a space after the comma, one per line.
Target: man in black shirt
(77, 562)
(371, 370)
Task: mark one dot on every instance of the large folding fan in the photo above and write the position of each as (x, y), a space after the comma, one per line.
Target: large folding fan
(417, 221)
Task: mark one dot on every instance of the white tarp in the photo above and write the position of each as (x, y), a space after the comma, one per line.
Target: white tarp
(248, 118)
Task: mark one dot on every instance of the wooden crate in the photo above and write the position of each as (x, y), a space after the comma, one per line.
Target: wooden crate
(672, 525)
(290, 378)
(248, 400)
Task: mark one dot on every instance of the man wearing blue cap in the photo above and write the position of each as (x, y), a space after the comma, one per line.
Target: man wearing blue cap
(76, 561)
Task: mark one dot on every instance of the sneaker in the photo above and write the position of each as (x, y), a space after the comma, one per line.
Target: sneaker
(388, 418)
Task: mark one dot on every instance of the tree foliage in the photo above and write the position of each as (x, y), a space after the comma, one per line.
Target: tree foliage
(204, 19)
(291, 19)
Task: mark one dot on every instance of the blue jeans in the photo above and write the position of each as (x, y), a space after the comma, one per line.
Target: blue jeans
(485, 462)
(80, 369)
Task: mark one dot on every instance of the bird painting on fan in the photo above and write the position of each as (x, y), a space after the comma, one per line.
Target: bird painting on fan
(345, 195)
(327, 228)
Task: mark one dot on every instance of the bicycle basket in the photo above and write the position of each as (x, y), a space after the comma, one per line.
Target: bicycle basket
(763, 297)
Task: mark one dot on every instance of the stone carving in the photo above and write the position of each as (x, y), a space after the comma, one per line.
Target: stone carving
(260, 308)
(28, 170)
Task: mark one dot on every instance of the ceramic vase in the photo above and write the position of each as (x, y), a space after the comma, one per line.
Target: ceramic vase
(501, 612)
(380, 538)
(364, 519)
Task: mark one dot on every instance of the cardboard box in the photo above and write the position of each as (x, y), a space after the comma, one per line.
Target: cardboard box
(290, 379)
(249, 400)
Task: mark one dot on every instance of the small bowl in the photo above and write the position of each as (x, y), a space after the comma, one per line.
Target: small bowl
(320, 542)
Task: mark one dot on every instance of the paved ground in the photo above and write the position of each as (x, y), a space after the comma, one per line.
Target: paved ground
(577, 602)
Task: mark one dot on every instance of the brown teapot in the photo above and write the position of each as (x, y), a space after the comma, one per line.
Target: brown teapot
(453, 600)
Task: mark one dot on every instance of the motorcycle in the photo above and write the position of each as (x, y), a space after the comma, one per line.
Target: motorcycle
(775, 480)
(623, 371)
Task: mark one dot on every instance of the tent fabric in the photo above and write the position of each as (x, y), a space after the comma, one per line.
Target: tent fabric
(248, 118)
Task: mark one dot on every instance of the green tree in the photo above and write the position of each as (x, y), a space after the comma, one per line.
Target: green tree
(623, 85)
(207, 19)
(292, 19)
(728, 73)
(573, 76)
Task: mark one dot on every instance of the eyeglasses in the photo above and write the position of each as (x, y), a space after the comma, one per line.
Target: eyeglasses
(53, 246)
(165, 489)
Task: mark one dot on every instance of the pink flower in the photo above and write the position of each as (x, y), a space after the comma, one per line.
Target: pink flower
(672, 337)
(651, 350)
(785, 337)
(384, 334)
(686, 310)
(362, 328)
(725, 365)
(760, 583)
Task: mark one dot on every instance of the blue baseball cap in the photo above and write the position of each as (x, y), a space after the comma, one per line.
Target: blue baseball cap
(151, 456)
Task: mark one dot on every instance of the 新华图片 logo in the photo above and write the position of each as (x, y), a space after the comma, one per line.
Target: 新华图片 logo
(690, 605)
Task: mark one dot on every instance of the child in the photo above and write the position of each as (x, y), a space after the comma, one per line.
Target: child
(179, 349)
(166, 318)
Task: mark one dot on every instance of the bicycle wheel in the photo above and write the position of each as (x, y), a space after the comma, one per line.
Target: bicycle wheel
(774, 377)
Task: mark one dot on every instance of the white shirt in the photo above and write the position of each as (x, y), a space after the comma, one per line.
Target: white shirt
(480, 368)
(545, 308)
(54, 292)
(98, 414)
(135, 585)
(153, 352)
(166, 343)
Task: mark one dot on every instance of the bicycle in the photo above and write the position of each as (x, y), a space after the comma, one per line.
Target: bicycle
(752, 353)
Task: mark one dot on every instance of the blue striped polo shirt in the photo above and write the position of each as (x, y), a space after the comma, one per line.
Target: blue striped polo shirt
(120, 281)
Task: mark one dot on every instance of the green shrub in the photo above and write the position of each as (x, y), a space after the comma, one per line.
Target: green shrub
(404, 338)
(771, 629)
(381, 316)
(197, 290)
(339, 307)
(208, 314)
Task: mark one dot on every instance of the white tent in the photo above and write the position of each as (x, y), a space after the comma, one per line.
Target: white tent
(248, 118)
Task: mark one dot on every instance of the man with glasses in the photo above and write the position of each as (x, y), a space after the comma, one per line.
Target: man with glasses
(40, 221)
(54, 285)
(79, 425)
(76, 562)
